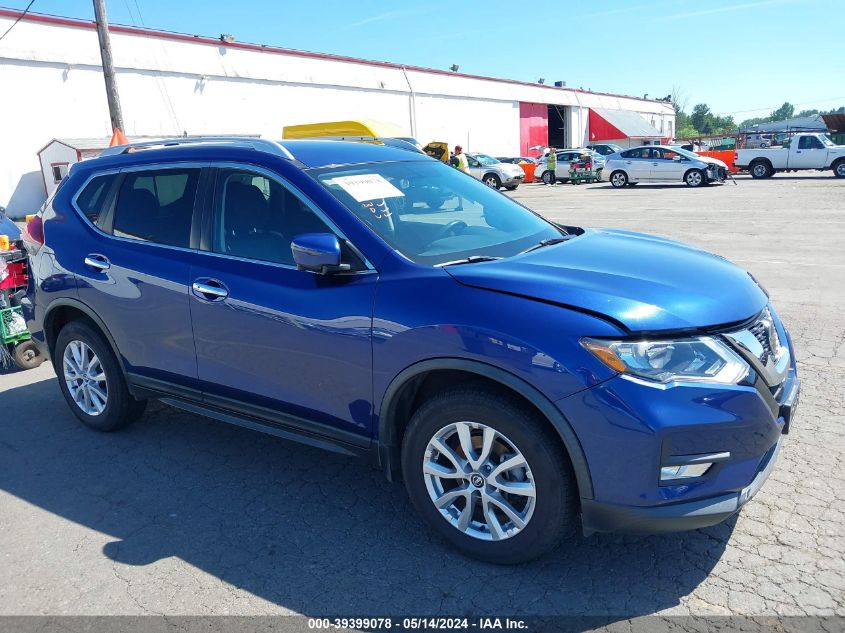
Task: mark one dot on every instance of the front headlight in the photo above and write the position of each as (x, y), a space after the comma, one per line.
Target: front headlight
(702, 359)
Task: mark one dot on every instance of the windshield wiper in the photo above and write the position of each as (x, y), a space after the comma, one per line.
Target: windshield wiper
(548, 242)
(472, 259)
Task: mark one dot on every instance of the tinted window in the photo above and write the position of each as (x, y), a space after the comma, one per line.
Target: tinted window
(257, 217)
(809, 142)
(156, 206)
(93, 198)
(640, 152)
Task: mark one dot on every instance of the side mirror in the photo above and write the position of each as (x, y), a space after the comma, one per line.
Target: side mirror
(317, 253)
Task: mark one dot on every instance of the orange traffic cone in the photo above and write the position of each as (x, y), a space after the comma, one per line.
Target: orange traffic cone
(118, 138)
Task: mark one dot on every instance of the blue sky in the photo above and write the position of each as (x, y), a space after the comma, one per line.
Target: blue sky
(742, 57)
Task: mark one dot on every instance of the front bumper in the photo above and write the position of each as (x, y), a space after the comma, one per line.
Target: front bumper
(691, 515)
(510, 181)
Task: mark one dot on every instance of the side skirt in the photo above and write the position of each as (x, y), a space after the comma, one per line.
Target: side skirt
(257, 419)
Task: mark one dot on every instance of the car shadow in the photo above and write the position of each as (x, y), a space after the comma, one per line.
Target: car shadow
(314, 532)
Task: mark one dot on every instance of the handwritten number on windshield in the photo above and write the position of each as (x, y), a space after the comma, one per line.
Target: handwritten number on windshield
(378, 209)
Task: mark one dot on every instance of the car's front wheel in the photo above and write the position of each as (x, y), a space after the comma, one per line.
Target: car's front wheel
(488, 475)
(619, 179)
(695, 178)
(91, 380)
(548, 177)
(492, 180)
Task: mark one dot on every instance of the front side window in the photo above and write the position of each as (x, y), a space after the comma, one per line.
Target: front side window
(433, 214)
(257, 217)
(157, 206)
(809, 142)
(92, 199)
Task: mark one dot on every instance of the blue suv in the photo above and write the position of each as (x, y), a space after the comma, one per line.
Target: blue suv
(521, 377)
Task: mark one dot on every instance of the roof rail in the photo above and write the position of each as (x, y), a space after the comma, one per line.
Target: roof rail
(258, 144)
(398, 143)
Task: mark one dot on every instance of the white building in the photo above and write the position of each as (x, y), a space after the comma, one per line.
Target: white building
(172, 84)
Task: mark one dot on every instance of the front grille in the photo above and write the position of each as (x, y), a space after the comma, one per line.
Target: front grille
(760, 332)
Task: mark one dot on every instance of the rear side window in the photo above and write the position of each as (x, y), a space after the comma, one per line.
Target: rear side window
(93, 198)
(157, 206)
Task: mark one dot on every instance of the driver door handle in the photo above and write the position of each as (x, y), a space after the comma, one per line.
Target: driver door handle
(209, 290)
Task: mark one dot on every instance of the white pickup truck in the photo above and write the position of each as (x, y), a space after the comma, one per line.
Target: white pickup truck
(805, 151)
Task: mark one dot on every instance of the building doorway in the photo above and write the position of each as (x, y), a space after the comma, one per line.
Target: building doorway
(558, 116)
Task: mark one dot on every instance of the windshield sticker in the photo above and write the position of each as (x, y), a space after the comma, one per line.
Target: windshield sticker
(367, 187)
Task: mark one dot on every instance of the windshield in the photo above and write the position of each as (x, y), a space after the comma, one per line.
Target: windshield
(826, 140)
(433, 213)
(687, 153)
(484, 159)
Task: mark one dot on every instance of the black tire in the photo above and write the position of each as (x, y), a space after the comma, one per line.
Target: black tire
(618, 179)
(760, 169)
(839, 168)
(27, 356)
(492, 181)
(121, 407)
(695, 178)
(548, 178)
(556, 506)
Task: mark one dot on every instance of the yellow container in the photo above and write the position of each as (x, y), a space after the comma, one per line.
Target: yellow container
(4, 242)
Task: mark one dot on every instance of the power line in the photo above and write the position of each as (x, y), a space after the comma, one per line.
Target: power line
(777, 106)
(20, 17)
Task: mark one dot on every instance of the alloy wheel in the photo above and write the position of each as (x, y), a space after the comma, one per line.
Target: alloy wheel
(85, 378)
(840, 169)
(619, 179)
(760, 170)
(479, 481)
(694, 178)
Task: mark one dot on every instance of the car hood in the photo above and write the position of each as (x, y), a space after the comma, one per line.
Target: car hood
(643, 282)
(712, 161)
(508, 168)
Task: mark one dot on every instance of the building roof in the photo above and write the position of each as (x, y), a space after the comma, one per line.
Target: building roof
(631, 124)
(835, 122)
(218, 42)
(806, 123)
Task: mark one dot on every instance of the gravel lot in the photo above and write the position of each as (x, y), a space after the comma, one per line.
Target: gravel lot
(181, 515)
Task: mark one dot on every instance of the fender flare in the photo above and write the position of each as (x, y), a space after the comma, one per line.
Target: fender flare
(388, 448)
(88, 312)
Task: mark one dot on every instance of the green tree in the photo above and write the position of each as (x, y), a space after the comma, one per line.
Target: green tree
(702, 119)
(786, 111)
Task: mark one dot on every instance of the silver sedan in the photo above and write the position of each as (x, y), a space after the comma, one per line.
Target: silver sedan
(655, 163)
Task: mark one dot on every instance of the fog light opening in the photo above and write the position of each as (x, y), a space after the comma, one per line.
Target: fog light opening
(684, 471)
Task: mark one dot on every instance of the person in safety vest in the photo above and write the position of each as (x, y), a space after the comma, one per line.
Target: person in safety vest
(460, 159)
(551, 165)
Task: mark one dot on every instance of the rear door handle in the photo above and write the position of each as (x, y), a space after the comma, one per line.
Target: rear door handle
(210, 289)
(97, 262)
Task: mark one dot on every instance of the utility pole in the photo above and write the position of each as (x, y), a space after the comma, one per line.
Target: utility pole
(108, 66)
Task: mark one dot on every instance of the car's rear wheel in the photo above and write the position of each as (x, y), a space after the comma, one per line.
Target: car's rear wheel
(488, 476)
(619, 179)
(492, 180)
(695, 178)
(548, 177)
(91, 380)
(760, 169)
